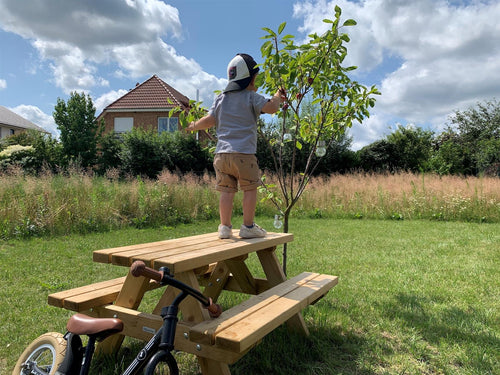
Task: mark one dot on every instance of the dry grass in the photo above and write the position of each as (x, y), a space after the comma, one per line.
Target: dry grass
(404, 196)
(80, 202)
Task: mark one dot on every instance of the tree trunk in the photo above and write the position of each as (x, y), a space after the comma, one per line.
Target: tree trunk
(286, 217)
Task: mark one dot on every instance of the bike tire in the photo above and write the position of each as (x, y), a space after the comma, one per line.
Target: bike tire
(154, 366)
(48, 350)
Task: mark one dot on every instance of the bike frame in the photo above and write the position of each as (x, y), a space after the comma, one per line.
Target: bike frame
(162, 340)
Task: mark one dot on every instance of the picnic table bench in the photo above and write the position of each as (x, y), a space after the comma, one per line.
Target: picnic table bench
(212, 265)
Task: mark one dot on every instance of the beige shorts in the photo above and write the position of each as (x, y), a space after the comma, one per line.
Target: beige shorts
(231, 169)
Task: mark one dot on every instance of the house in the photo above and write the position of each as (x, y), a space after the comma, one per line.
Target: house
(146, 106)
(11, 123)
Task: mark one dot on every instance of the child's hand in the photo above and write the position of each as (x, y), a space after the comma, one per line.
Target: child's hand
(281, 93)
(190, 127)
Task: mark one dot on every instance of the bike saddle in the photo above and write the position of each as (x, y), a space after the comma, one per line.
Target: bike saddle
(81, 324)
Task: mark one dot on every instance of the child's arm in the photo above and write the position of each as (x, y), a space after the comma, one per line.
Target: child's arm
(273, 105)
(203, 123)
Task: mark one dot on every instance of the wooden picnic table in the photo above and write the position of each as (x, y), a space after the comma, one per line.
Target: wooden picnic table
(212, 265)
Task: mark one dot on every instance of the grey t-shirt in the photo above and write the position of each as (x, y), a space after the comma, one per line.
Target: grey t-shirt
(236, 114)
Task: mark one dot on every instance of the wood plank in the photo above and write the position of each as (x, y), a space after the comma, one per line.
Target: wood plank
(244, 334)
(57, 299)
(206, 332)
(89, 300)
(275, 275)
(150, 254)
(201, 244)
(143, 326)
(147, 254)
(104, 255)
(217, 281)
(226, 250)
(186, 249)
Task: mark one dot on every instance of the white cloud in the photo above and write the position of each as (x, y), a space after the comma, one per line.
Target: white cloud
(104, 100)
(3, 84)
(184, 74)
(37, 116)
(76, 37)
(369, 131)
(449, 53)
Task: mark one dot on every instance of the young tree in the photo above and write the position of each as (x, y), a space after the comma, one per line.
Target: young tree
(312, 70)
(79, 128)
(309, 73)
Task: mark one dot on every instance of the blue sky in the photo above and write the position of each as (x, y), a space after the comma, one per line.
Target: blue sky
(429, 58)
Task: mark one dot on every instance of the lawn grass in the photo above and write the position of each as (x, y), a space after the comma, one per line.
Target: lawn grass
(414, 297)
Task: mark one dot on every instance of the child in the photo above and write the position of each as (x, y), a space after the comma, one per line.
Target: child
(234, 113)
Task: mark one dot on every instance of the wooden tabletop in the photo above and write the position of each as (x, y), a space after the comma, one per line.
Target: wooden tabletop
(188, 253)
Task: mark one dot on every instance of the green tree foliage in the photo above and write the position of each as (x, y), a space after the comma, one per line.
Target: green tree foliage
(447, 156)
(79, 128)
(142, 153)
(377, 156)
(110, 147)
(477, 131)
(147, 153)
(412, 147)
(185, 153)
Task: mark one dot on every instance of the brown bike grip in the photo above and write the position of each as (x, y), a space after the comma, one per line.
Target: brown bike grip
(138, 268)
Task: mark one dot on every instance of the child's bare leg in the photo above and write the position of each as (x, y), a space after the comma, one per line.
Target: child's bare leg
(226, 207)
(249, 203)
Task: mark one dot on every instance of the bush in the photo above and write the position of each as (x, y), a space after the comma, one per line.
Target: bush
(46, 151)
(142, 154)
(146, 153)
(17, 156)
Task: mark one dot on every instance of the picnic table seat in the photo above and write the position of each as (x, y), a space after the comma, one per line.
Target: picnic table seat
(89, 296)
(238, 329)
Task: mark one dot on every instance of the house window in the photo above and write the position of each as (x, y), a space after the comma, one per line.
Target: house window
(123, 124)
(12, 132)
(168, 124)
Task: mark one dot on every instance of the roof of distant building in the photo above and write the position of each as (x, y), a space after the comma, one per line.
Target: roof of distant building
(152, 94)
(9, 118)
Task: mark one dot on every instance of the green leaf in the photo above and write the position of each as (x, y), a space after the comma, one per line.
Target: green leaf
(282, 26)
(298, 145)
(283, 70)
(272, 33)
(345, 38)
(350, 22)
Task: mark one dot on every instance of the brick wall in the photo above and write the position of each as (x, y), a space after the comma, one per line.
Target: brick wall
(144, 120)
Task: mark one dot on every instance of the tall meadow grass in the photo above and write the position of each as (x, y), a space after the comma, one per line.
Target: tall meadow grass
(404, 196)
(79, 202)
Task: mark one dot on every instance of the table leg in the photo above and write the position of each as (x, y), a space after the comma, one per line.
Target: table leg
(242, 274)
(130, 296)
(217, 281)
(275, 276)
(166, 299)
(192, 311)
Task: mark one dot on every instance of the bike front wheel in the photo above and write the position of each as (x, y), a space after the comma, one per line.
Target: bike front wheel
(162, 363)
(46, 352)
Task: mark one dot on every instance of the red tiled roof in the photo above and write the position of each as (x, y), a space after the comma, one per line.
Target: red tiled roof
(151, 94)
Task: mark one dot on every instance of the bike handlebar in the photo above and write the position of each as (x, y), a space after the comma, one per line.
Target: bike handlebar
(139, 268)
